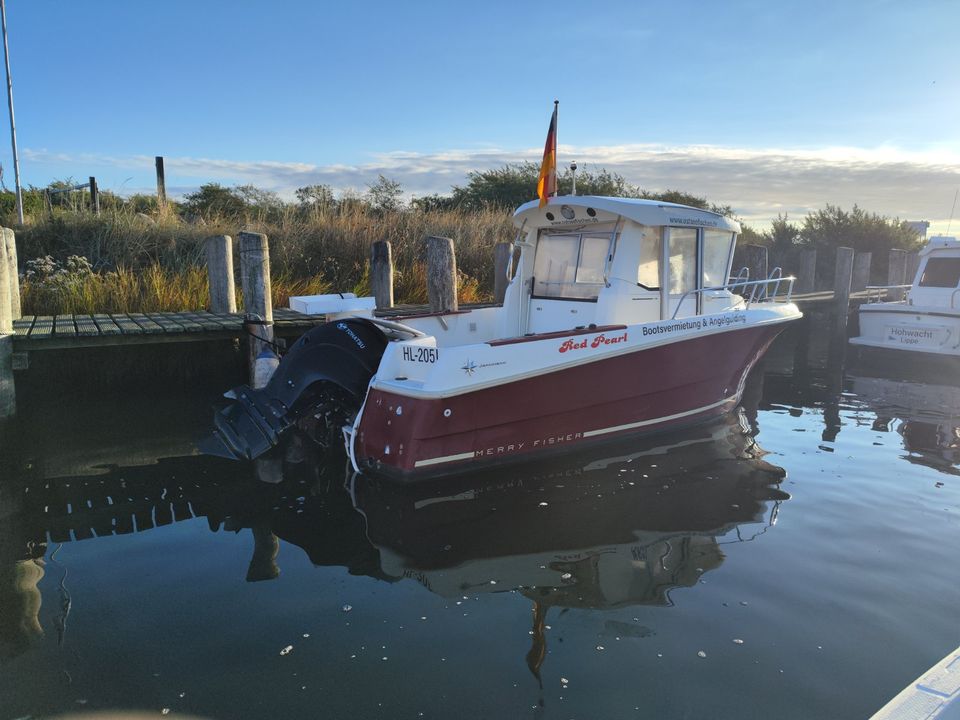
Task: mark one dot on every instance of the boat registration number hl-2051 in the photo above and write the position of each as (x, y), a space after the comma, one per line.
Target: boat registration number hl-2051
(420, 354)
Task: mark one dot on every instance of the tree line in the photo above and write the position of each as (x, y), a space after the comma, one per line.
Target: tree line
(502, 188)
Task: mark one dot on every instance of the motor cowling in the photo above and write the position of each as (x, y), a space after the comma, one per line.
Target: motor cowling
(330, 364)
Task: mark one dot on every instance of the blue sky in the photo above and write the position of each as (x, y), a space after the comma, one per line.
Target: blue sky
(768, 106)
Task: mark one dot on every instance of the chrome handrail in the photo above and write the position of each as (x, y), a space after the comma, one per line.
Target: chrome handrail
(880, 289)
(758, 290)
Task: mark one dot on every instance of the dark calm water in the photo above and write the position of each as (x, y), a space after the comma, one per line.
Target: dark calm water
(796, 560)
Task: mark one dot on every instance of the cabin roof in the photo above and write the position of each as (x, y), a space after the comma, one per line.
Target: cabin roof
(644, 212)
(940, 242)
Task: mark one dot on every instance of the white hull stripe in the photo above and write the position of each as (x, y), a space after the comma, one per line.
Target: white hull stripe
(589, 433)
(665, 418)
(445, 458)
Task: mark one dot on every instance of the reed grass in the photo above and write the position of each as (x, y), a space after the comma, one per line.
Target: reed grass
(154, 264)
(157, 289)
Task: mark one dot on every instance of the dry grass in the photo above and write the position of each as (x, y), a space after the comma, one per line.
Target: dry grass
(145, 265)
(157, 289)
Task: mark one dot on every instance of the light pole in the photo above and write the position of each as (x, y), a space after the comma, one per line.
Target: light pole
(573, 172)
(13, 126)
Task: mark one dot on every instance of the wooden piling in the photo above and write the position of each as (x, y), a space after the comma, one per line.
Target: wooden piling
(842, 280)
(94, 196)
(897, 273)
(257, 302)
(6, 307)
(8, 395)
(756, 258)
(502, 256)
(441, 274)
(861, 271)
(381, 273)
(897, 267)
(161, 183)
(13, 273)
(219, 253)
(8, 404)
(913, 262)
(807, 274)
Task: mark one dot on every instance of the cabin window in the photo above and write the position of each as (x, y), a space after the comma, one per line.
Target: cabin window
(683, 260)
(648, 271)
(716, 257)
(941, 273)
(571, 265)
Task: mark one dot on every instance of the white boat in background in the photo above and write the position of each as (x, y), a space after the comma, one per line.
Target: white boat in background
(927, 320)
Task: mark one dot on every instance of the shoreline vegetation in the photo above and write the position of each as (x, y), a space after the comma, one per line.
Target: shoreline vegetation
(136, 256)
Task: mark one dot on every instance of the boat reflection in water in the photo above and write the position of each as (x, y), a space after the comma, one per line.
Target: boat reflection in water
(599, 531)
(925, 415)
(621, 526)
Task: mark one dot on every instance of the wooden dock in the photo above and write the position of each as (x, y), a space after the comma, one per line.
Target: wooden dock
(60, 332)
(63, 332)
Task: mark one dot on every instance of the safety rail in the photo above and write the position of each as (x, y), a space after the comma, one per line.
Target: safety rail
(759, 290)
(875, 293)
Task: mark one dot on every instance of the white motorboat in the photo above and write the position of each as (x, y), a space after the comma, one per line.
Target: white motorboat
(620, 318)
(927, 319)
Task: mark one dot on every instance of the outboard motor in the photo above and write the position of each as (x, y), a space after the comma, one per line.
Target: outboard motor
(325, 374)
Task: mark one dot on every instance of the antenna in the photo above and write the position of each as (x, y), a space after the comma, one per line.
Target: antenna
(950, 222)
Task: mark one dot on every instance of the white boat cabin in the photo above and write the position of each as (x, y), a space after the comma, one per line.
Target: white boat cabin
(586, 260)
(619, 261)
(937, 284)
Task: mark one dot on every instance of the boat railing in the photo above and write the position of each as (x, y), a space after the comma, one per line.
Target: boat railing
(752, 291)
(953, 299)
(876, 293)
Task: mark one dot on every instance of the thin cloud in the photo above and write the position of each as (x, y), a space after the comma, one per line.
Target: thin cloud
(758, 184)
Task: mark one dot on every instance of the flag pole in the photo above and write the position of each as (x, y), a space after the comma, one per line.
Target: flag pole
(556, 131)
(13, 127)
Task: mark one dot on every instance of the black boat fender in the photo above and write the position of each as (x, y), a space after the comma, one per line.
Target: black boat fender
(332, 363)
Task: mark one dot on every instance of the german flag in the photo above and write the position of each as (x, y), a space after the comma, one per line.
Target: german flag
(547, 183)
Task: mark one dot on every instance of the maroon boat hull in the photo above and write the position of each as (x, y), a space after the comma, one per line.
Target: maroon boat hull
(653, 389)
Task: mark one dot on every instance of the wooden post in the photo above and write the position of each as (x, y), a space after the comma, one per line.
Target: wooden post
(381, 273)
(897, 267)
(8, 395)
(841, 292)
(223, 293)
(6, 307)
(913, 262)
(441, 274)
(161, 184)
(861, 271)
(801, 351)
(756, 256)
(257, 302)
(13, 274)
(807, 275)
(8, 403)
(502, 255)
(897, 273)
(94, 196)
